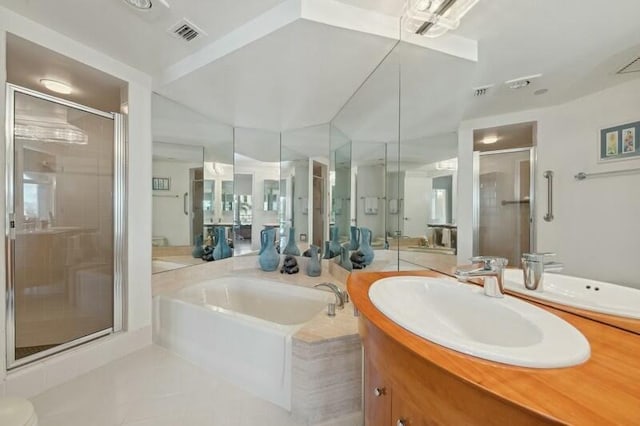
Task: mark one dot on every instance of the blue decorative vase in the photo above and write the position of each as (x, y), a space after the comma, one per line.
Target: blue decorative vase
(365, 245)
(355, 237)
(269, 259)
(291, 248)
(222, 249)
(198, 250)
(326, 254)
(314, 268)
(345, 262)
(334, 247)
(263, 243)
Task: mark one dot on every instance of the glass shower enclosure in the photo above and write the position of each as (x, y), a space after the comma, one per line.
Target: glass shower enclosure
(504, 200)
(65, 188)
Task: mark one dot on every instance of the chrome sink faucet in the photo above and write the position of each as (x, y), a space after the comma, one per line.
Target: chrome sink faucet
(492, 272)
(534, 265)
(341, 297)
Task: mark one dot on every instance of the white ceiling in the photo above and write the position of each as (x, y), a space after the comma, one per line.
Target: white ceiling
(118, 30)
(297, 76)
(302, 73)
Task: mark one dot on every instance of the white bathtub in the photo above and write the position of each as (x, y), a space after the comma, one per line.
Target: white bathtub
(240, 328)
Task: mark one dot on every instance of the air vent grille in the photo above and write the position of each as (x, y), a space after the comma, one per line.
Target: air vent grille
(481, 91)
(186, 30)
(634, 66)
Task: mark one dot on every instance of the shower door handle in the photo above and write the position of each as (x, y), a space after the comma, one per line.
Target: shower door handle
(548, 175)
(185, 203)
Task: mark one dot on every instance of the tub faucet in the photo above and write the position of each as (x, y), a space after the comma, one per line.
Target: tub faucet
(534, 265)
(340, 297)
(492, 272)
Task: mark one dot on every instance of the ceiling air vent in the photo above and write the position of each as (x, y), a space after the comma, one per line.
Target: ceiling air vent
(634, 66)
(186, 30)
(481, 91)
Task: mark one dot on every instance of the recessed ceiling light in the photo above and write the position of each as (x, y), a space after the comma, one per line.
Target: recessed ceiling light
(140, 4)
(489, 140)
(56, 86)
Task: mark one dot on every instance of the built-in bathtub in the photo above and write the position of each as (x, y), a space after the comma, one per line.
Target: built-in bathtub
(240, 328)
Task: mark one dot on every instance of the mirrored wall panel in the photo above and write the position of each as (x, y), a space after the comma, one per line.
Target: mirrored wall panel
(428, 154)
(256, 188)
(365, 134)
(304, 187)
(192, 184)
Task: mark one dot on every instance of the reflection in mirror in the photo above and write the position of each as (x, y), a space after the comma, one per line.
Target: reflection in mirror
(192, 154)
(227, 197)
(341, 213)
(256, 168)
(362, 134)
(428, 155)
(304, 187)
(218, 207)
(271, 196)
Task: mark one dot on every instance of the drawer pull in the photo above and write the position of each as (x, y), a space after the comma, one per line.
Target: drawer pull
(378, 391)
(401, 422)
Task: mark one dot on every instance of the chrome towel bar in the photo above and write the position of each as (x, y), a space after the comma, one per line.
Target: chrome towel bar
(548, 175)
(583, 175)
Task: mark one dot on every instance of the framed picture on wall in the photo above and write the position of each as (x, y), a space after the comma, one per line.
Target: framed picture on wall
(161, 184)
(620, 142)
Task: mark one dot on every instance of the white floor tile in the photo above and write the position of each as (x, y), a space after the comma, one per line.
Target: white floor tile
(153, 387)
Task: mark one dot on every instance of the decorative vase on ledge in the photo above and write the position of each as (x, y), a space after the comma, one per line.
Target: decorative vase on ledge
(222, 249)
(334, 247)
(355, 237)
(345, 262)
(314, 267)
(365, 245)
(292, 248)
(326, 254)
(269, 259)
(198, 250)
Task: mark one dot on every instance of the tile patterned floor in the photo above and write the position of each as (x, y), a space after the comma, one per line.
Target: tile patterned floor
(153, 387)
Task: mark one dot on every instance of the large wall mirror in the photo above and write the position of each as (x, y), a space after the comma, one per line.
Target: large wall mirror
(364, 147)
(256, 183)
(191, 185)
(304, 186)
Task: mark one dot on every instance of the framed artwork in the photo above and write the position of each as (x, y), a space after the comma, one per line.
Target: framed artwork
(161, 184)
(620, 142)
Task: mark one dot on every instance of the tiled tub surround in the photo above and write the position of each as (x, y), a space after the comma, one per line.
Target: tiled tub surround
(326, 352)
(240, 328)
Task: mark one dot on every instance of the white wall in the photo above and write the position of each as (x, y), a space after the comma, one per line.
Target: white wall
(138, 277)
(596, 227)
(168, 219)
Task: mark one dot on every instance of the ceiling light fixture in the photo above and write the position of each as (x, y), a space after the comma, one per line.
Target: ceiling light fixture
(489, 140)
(140, 4)
(50, 132)
(433, 18)
(56, 86)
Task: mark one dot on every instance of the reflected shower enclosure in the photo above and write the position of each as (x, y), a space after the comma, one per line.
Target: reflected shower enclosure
(64, 235)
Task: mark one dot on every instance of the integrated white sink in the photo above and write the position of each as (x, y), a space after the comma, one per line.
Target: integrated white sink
(582, 293)
(460, 317)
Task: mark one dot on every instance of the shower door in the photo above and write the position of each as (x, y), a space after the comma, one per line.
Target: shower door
(64, 224)
(504, 189)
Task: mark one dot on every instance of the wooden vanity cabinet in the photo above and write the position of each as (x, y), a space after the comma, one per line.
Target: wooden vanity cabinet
(377, 396)
(403, 389)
